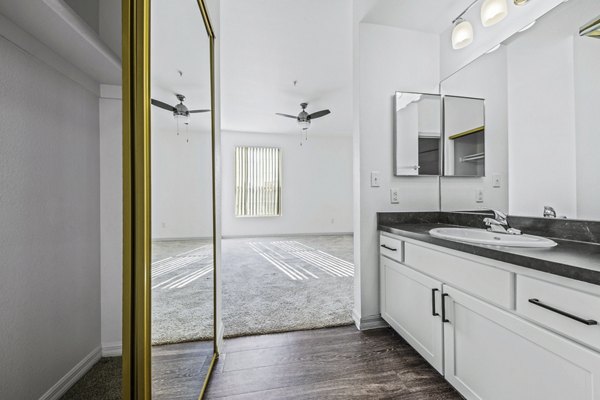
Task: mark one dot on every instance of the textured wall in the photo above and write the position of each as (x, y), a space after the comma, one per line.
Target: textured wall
(50, 235)
(111, 212)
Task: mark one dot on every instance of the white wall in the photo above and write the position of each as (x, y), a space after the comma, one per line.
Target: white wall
(181, 183)
(111, 217)
(50, 213)
(388, 59)
(316, 185)
(485, 78)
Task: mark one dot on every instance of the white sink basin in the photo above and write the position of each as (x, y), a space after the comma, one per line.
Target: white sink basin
(481, 236)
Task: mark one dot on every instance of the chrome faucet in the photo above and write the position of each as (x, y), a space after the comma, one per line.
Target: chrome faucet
(549, 212)
(499, 224)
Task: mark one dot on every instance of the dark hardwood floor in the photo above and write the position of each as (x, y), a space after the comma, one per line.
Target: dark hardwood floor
(178, 370)
(334, 363)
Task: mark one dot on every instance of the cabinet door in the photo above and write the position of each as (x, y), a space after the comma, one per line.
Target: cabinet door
(493, 354)
(410, 303)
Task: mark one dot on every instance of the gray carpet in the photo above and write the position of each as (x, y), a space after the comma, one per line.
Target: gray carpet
(269, 285)
(101, 382)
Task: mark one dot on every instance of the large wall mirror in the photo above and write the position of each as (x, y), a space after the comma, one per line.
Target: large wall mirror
(182, 200)
(542, 121)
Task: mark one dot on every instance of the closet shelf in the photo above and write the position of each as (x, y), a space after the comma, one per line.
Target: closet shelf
(479, 129)
(473, 157)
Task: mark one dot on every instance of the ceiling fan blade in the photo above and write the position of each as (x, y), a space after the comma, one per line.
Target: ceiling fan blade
(287, 115)
(319, 114)
(198, 111)
(162, 105)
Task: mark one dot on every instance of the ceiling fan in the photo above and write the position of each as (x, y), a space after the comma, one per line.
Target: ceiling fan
(179, 110)
(304, 118)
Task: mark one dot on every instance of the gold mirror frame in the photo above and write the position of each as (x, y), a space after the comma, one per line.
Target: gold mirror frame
(137, 383)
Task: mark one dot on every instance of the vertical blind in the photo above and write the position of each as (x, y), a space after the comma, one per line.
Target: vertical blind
(257, 181)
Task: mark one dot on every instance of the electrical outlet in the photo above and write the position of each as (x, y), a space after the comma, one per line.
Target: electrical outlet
(394, 196)
(375, 179)
(496, 180)
(479, 196)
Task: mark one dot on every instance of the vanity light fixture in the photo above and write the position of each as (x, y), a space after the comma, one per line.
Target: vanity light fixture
(462, 34)
(520, 2)
(493, 11)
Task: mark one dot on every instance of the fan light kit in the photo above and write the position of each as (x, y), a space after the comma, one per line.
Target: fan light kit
(491, 13)
(180, 111)
(304, 118)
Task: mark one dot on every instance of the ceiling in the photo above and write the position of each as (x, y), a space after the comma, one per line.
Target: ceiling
(179, 43)
(57, 26)
(432, 16)
(266, 45)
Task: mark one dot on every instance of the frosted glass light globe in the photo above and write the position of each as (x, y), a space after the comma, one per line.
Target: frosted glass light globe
(493, 11)
(462, 35)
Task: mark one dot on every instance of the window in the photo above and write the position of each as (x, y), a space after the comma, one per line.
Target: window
(257, 181)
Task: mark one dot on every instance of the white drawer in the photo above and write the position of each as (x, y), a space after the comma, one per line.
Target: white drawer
(484, 281)
(567, 311)
(390, 247)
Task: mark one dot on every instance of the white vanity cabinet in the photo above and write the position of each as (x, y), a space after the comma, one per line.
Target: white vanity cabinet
(484, 342)
(410, 304)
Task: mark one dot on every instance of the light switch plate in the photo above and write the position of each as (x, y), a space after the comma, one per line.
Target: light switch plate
(479, 196)
(395, 196)
(375, 179)
(496, 180)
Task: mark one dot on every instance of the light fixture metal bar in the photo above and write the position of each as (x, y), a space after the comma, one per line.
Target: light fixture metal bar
(589, 28)
(464, 12)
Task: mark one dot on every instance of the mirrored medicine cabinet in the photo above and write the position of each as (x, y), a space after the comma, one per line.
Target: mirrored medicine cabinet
(439, 135)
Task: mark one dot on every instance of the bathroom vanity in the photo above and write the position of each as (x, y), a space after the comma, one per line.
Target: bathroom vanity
(497, 322)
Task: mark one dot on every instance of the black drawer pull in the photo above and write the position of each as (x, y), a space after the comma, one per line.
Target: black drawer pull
(389, 248)
(564, 313)
(444, 307)
(433, 312)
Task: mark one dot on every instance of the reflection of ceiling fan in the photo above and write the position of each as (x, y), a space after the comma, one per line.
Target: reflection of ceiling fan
(304, 118)
(179, 110)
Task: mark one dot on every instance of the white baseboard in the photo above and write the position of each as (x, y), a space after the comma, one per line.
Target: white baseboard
(369, 322)
(112, 349)
(71, 377)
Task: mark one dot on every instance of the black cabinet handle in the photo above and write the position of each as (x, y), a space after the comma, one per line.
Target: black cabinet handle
(389, 248)
(433, 312)
(444, 307)
(563, 313)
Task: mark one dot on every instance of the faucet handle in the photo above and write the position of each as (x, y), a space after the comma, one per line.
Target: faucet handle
(499, 216)
(549, 212)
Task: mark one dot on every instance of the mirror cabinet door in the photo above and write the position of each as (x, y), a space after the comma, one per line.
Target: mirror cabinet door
(417, 135)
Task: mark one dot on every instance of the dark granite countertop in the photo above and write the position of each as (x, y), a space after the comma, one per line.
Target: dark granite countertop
(572, 259)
